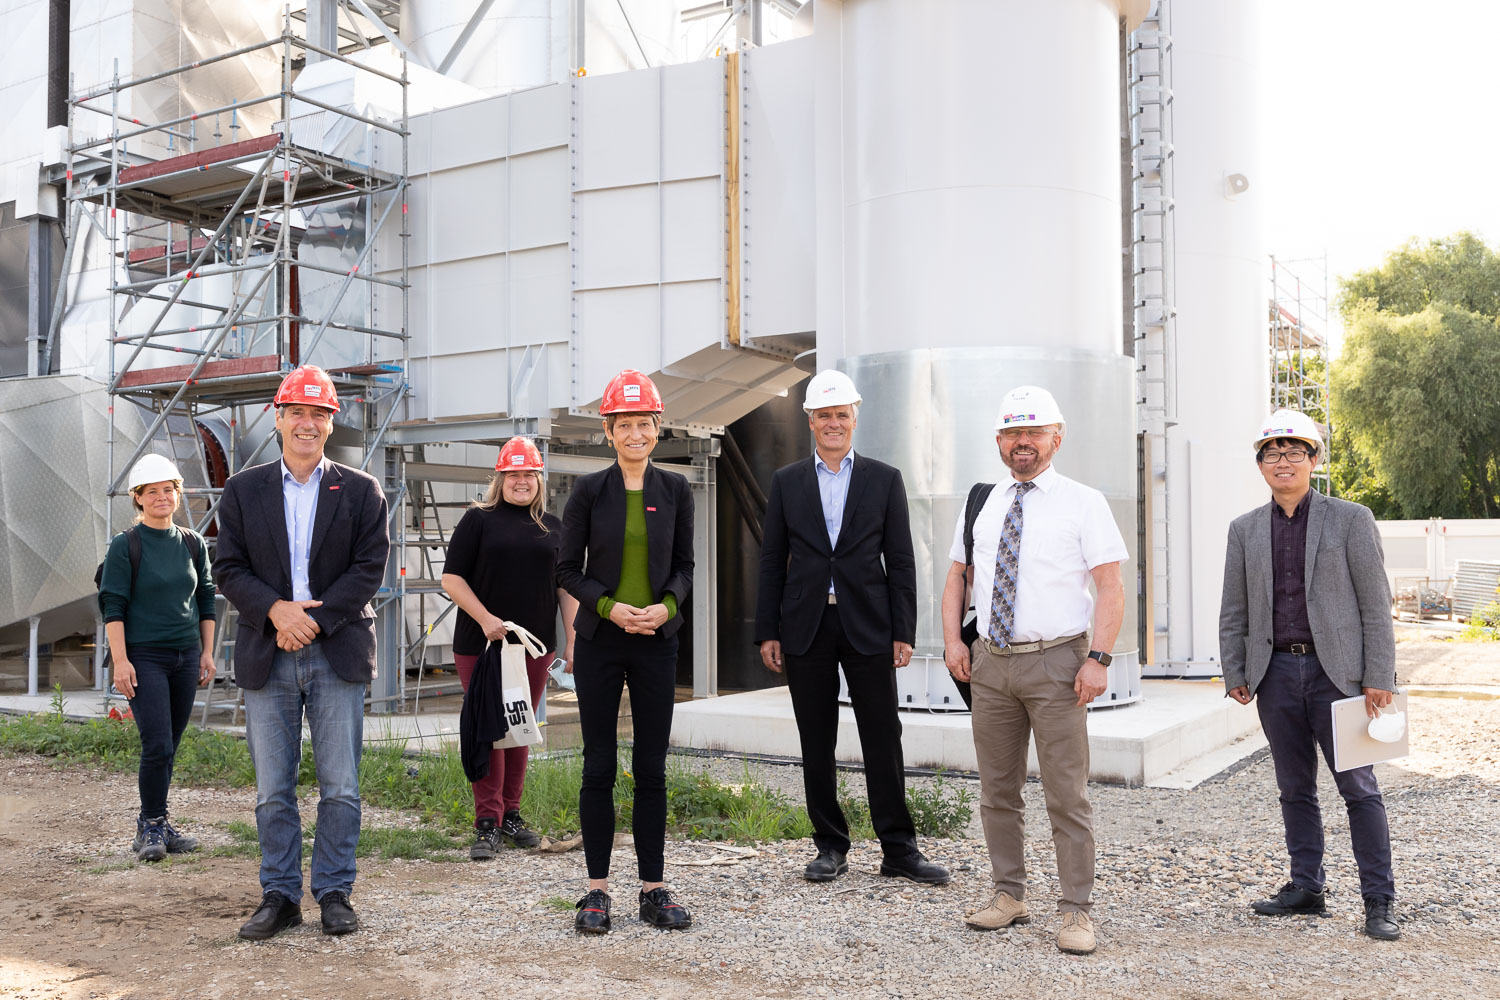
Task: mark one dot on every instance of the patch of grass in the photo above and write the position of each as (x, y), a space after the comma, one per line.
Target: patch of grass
(114, 866)
(244, 842)
(941, 809)
(412, 844)
(559, 905)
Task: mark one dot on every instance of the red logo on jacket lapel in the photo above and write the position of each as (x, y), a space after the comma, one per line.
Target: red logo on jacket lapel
(651, 509)
(333, 487)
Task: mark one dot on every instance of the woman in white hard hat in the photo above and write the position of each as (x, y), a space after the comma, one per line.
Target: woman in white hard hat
(157, 596)
(502, 566)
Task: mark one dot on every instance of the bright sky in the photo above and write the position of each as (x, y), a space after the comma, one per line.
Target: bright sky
(1378, 124)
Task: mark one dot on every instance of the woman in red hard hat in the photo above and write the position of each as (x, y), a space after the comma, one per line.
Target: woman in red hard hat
(631, 526)
(502, 566)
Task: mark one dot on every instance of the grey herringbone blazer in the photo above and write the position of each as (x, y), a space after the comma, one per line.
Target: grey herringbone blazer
(1348, 598)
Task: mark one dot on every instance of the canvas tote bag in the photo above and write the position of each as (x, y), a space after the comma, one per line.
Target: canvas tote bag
(516, 688)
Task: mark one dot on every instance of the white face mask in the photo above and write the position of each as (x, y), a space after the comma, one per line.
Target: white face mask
(561, 676)
(1388, 728)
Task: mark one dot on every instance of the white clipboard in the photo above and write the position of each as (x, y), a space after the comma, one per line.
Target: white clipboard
(1353, 746)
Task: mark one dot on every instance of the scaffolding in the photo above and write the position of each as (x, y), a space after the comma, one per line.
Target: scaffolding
(211, 252)
(1297, 339)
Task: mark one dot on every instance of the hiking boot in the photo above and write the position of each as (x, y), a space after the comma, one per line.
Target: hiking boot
(486, 839)
(177, 843)
(1292, 899)
(658, 910)
(150, 843)
(1002, 911)
(1379, 923)
(593, 913)
(1076, 935)
(513, 829)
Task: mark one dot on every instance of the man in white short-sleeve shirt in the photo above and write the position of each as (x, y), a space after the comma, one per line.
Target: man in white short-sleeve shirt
(1039, 540)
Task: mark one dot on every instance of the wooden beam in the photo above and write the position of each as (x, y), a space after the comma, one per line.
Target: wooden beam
(264, 364)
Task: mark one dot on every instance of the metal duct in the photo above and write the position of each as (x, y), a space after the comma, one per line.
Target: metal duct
(58, 24)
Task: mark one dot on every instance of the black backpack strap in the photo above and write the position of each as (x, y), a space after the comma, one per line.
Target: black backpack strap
(194, 544)
(978, 494)
(133, 545)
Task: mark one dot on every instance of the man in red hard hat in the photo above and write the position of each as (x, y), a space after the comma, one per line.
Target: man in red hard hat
(302, 550)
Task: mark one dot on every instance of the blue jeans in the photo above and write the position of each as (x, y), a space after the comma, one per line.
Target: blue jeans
(1293, 700)
(305, 681)
(166, 682)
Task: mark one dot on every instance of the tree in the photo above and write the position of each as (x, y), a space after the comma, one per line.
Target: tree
(1459, 271)
(1417, 395)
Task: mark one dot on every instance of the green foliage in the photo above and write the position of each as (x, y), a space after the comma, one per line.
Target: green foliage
(940, 810)
(559, 905)
(1458, 271)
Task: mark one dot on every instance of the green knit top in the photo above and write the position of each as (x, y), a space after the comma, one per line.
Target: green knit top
(634, 587)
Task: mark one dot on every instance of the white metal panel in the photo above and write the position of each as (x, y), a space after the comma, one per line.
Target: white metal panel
(420, 219)
(540, 203)
(692, 226)
(468, 208)
(469, 304)
(618, 130)
(618, 238)
(540, 304)
(470, 134)
(617, 328)
(692, 108)
(778, 240)
(419, 144)
(463, 384)
(539, 118)
(692, 315)
(25, 43)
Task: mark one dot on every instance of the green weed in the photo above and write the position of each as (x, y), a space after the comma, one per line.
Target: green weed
(559, 905)
(941, 809)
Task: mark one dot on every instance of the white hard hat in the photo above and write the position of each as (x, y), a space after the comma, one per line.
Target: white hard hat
(830, 388)
(1028, 406)
(152, 469)
(1289, 424)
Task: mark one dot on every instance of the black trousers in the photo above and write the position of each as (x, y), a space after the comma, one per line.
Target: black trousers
(166, 682)
(813, 680)
(602, 667)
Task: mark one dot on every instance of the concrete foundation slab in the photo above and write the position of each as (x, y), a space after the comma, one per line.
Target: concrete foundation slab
(1157, 739)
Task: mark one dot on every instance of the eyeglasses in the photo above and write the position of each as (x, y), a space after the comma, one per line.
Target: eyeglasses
(1035, 433)
(1294, 455)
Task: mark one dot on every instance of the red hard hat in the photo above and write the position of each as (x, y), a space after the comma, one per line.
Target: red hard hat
(519, 455)
(630, 392)
(309, 386)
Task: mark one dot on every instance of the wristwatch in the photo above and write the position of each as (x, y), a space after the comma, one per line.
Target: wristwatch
(1103, 658)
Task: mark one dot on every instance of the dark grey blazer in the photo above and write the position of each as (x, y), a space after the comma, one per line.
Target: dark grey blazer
(253, 566)
(1348, 598)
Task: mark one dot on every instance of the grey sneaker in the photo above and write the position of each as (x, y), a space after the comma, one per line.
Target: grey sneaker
(150, 843)
(177, 843)
(513, 829)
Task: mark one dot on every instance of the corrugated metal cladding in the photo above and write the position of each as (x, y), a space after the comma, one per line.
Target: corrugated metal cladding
(563, 233)
(1475, 585)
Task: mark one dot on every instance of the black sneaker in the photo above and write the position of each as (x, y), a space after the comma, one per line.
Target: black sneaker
(658, 910)
(593, 913)
(486, 840)
(513, 829)
(150, 843)
(1379, 923)
(1291, 900)
(177, 843)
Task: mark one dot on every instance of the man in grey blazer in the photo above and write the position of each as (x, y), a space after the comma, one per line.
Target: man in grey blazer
(1305, 621)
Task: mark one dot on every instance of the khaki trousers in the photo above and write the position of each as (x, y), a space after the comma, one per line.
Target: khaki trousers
(1015, 696)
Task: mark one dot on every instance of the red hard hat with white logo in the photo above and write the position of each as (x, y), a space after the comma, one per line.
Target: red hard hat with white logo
(519, 455)
(630, 392)
(307, 386)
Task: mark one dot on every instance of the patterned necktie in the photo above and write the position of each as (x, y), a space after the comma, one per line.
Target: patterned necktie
(1007, 559)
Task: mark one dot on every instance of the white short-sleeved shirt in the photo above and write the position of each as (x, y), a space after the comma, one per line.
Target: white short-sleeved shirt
(1066, 531)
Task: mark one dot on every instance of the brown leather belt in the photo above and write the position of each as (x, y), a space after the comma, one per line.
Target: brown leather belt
(996, 649)
(1296, 648)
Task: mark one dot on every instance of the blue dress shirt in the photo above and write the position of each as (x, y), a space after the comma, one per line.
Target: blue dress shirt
(300, 504)
(833, 488)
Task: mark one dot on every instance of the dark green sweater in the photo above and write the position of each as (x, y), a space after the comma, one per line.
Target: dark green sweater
(172, 592)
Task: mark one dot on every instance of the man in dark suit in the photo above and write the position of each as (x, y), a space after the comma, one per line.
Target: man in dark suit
(1306, 621)
(302, 550)
(838, 586)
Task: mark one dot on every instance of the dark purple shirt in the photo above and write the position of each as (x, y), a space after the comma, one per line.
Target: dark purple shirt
(1289, 622)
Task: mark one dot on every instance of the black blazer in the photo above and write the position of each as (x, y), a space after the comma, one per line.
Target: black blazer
(594, 532)
(877, 601)
(253, 566)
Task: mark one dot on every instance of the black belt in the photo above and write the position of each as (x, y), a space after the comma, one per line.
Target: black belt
(1296, 648)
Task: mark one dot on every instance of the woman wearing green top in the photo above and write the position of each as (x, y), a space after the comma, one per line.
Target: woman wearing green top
(631, 525)
(159, 617)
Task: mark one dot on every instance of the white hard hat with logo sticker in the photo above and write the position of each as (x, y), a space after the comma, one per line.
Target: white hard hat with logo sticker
(1028, 406)
(1289, 424)
(152, 469)
(830, 388)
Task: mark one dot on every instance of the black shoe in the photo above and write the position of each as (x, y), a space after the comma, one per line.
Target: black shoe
(658, 910)
(177, 843)
(1379, 923)
(338, 915)
(1292, 899)
(275, 914)
(826, 867)
(593, 913)
(150, 843)
(915, 867)
(513, 829)
(486, 839)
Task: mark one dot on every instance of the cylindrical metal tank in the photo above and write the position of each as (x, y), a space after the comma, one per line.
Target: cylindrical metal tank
(970, 241)
(1222, 382)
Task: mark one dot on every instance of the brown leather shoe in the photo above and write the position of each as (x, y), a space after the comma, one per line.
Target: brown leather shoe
(1002, 911)
(1076, 935)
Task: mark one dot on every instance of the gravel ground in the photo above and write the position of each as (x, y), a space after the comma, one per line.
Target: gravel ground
(1176, 873)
